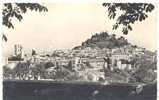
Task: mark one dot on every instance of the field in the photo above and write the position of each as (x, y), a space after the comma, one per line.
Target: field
(48, 90)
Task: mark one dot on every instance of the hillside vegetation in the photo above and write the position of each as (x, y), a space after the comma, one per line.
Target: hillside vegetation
(104, 40)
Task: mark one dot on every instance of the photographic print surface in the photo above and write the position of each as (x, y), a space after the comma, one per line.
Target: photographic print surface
(78, 51)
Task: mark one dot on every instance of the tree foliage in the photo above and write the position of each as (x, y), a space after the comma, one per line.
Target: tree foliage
(104, 40)
(144, 72)
(70, 66)
(7, 72)
(21, 70)
(131, 12)
(38, 70)
(16, 10)
(49, 64)
(33, 52)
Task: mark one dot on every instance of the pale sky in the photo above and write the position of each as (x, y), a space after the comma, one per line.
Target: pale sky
(65, 26)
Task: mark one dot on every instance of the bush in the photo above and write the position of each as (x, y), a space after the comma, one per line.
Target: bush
(21, 70)
(101, 79)
(48, 65)
(7, 72)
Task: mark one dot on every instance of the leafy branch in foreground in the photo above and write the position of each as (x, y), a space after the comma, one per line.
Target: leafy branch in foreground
(131, 12)
(16, 10)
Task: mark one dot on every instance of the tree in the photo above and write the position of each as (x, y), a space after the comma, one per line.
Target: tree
(16, 10)
(88, 64)
(33, 52)
(7, 72)
(48, 65)
(144, 73)
(70, 66)
(21, 70)
(38, 71)
(131, 12)
(60, 74)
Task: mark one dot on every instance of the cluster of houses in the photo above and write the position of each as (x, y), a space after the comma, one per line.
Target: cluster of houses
(93, 61)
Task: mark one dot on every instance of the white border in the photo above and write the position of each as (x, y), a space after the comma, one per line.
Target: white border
(1, 72)
(157, 30)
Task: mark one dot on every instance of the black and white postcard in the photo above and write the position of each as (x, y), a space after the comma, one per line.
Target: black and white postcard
(79, 51)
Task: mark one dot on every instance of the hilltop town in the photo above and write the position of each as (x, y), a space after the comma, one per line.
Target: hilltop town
(102, 58)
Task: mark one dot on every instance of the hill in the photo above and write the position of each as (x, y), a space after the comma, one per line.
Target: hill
(104, 40)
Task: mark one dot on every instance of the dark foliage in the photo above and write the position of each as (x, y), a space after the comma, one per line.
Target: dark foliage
(145, 71)
(104, 40)
(33, 52)
(132, 12)
(70, 66)
(48, 65)
(38, 70)
(16, 10)
(60, 74)
(7, 72)
(88, 64)
(21, 70)
(4, 37)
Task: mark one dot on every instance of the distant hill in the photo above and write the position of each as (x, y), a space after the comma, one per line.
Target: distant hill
(104, 40)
